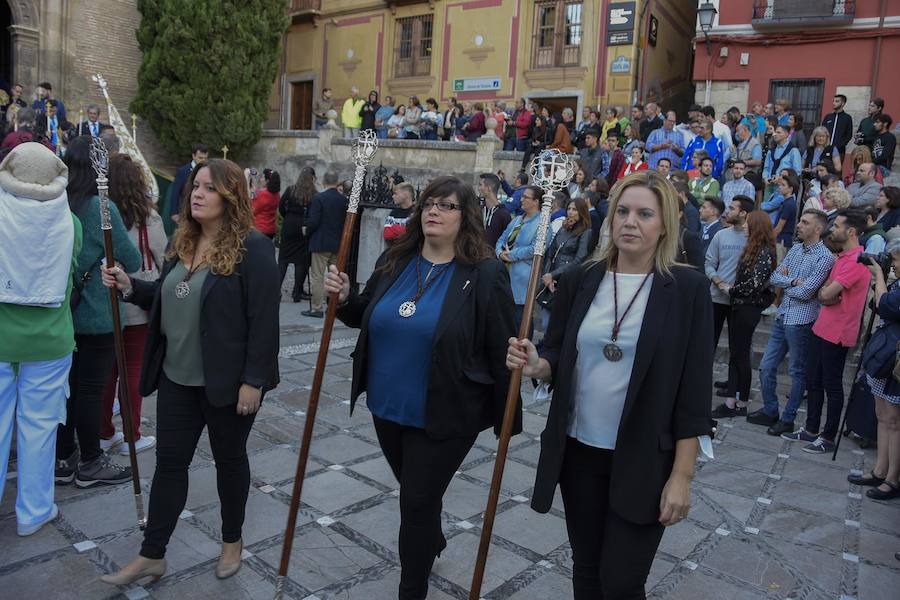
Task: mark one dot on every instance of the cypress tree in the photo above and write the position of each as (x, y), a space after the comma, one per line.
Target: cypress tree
(207, 70)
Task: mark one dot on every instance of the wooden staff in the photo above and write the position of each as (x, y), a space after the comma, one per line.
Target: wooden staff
(552, 171)
(100, 161)
(363, 151)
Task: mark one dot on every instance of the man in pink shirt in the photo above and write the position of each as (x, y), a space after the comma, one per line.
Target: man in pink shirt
(843, 299)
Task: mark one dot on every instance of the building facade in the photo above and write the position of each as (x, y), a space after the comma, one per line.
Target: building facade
(559, 52)
(805, 51)
(65, 42)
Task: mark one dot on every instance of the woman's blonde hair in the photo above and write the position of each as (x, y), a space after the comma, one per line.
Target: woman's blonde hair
(820, 130)
(664, 258)
(840, 198)
(226, 250)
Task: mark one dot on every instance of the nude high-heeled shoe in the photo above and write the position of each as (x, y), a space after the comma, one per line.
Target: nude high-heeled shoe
(224, 570)
(147, 567)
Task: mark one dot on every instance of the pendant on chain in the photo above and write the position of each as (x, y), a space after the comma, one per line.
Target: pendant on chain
(407, 309)
(612, 352)
(182, 290)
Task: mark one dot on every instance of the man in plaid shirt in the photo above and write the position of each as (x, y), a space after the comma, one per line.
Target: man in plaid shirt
(665, 142)
(802, 272)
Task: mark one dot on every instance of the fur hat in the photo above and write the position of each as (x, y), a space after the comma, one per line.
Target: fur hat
(32, 171)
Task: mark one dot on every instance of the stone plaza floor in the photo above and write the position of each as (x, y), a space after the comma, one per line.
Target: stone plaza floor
(768, 521)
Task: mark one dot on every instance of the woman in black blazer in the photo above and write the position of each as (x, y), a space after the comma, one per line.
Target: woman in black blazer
(629, 356)
(212, 351)
(434, 318)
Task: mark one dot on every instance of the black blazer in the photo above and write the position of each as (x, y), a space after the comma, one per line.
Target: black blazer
(325, 222)
(669, 396)
(238, 325)
(468, 379)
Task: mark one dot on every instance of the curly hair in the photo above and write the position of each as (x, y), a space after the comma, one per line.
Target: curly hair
(470, 246)
(128, 189)
(226, 250)
(759, 235)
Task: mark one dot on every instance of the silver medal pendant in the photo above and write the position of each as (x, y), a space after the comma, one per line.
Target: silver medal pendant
(182, 289)
(612, 352)
(407, 309)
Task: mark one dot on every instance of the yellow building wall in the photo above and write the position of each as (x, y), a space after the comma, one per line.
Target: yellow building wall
(352, 43)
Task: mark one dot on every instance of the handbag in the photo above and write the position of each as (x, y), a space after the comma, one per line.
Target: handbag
(879, 358)
(78, 283)
(544, 298)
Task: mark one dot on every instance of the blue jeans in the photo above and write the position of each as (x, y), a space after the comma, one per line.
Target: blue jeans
(790, 340)
(522, 144)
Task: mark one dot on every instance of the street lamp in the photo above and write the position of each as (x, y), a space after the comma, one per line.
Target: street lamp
(707, 14)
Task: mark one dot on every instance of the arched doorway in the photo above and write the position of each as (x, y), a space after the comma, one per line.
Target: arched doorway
(19, 41)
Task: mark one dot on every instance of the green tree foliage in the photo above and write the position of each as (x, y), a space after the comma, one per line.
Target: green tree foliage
(207, 70)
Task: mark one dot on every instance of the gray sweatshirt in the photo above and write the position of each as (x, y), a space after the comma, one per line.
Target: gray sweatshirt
(722, 259)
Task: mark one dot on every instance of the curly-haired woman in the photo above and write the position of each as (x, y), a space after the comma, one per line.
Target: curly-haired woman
(211, 353)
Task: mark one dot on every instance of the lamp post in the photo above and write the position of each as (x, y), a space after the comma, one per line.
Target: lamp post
(706, 13)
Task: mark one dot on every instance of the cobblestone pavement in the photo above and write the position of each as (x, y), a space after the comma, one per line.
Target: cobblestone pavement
(768, 521)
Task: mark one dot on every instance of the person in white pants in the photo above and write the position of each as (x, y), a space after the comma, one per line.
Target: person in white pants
(36, 331)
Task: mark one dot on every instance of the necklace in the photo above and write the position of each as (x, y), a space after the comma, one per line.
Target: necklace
(612, 351)
(408, 308)
(183, 287)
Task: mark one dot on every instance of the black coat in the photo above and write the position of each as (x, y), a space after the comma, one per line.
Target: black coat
(669, 396)
(325, 222)
(238, 325)
(691, 249)
(468, 379)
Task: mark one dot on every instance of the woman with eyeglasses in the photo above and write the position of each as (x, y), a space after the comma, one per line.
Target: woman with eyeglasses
(434, 318)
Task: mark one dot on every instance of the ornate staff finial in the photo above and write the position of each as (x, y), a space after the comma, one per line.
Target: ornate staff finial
(134, 127)
(225, 152)
(551, 170)
(100, 164)
(362, 152)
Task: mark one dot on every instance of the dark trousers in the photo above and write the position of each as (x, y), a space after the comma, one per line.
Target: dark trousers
(92, 362)
(741, 325)
(610, 556)
(301, 268)
(424, 468)
(721, 314)
(182, 413)
(824, 376)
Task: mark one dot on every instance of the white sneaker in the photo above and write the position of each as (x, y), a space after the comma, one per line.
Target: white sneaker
(116, 407)
(770, 310)
(117, 438)
(145, 442)
(26, 530)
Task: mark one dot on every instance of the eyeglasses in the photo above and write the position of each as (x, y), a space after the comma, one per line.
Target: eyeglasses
(442, 205)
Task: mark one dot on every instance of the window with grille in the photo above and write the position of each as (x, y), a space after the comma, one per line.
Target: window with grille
(804, 96)
(412, 46)
(557, 34)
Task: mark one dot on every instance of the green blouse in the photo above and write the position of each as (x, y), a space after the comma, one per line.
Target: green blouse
(183, 363)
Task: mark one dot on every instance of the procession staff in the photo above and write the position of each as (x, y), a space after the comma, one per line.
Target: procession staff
(551, 171)
(212, 352)
(362, 152)
(622, 437)
(433, 320)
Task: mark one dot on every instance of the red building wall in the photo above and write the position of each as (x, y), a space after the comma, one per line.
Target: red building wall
(845, 60)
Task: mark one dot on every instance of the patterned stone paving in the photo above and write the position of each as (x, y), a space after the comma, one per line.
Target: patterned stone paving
(768, 521)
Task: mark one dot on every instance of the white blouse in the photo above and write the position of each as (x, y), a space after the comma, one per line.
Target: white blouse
(600, 384)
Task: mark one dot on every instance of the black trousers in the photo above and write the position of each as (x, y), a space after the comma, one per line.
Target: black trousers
(824, 377)
(611, 557)
(721, 314)
(182, 413)
(301, 268)
(424, 468)
(92, 362)
(741, 326)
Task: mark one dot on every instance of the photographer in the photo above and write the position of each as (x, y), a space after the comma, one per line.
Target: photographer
(883, 477)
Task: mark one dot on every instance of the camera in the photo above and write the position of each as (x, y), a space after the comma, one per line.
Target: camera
(882, 259)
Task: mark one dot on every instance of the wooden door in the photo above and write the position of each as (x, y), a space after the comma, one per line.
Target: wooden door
(301, 104)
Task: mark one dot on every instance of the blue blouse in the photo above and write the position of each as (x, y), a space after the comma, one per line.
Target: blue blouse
(399, 355)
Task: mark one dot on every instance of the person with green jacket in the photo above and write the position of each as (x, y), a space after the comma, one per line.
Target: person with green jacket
(94, 350)
(351, 116)
(36, 333)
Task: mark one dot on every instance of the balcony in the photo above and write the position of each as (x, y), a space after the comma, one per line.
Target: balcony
(304, 11)
(805, 13)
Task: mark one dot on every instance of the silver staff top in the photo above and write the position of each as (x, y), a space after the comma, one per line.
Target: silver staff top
(100, 164)
(551, 170)
(364, 148)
